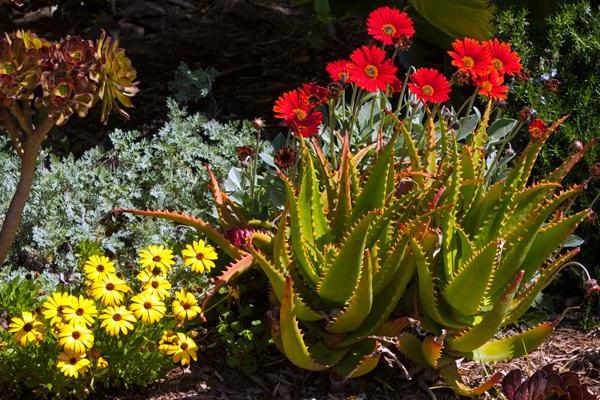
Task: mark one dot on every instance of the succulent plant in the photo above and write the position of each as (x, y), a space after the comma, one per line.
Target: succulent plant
(42, 84)
(545, 384)
(341, 259)
(498, 248)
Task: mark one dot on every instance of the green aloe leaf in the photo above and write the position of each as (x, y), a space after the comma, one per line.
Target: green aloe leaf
(523, 301)
(513, 346)
(427, 292)
(292, 339)
(340, 279)
(277, 280)
(547, 240)
(374, 191)
(342, 211)
(490, 323)
(359, 305)
(362, 359)
(297, 234)
(473, 279)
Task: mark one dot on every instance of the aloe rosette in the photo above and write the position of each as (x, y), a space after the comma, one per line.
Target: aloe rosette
(498, 248)
(341, 260)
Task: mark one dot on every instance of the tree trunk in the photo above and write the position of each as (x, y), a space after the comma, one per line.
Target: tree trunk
(13, 216)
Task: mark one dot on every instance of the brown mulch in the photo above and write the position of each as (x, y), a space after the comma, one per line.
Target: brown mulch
(569, 348)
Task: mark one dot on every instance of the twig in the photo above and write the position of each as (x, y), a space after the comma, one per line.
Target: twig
(13, 131)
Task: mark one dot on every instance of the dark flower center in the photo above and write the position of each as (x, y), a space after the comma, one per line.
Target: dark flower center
(100, 268)
(60, 309)
(497, 63)
(156, 258)
(80, 311)
(117, 317)
(389, 29)
(110, 286)
(147, 305)
(156, 271)
(371, 71)
(183, 346)
(200, 256)
(155, 284)
(73, 360)
(76, 335)
(187, 306)
(28, 327)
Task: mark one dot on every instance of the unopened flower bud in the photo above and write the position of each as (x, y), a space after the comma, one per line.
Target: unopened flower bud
(525, 114)
(258, 124)
(552, 85)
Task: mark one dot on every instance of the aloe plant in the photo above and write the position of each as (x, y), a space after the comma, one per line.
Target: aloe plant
(341, 259)
(497, 250)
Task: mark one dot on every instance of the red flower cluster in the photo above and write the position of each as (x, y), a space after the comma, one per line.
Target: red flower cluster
(370, 70)
(486, 64)
(298, 108)
(390, 26)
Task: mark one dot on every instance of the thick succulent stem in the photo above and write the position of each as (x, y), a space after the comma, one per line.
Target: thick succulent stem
(12, 218)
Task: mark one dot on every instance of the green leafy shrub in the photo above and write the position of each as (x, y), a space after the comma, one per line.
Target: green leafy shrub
(563, 55)
(71, 202)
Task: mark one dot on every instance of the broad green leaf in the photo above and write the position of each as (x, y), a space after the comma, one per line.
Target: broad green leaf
(458, 18)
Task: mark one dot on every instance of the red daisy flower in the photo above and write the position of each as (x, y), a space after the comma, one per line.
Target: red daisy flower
(390, 25)
(470, 56)
(502, 59)
(315, 94)
(292, 105)
(370, 70)
(537, 129)
(429, 85)
(492, 86)
(297, 113)
(309, 126)
(338, 70)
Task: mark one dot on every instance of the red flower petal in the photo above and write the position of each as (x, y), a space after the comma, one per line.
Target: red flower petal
(370, 70)
(389, 25)
(429, 85)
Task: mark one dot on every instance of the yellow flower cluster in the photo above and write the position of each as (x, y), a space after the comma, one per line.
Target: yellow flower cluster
(72, 318)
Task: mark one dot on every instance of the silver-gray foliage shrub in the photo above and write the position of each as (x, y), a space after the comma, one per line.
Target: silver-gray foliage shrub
(72, 199)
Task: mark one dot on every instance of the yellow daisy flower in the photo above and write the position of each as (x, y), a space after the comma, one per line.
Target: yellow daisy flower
(117, 319)
(54, 306)
(98, 266)
(101, 363)
(147, 308)
(26, 329)
(167, 341)
(81, 311)
(157, 256)
(186, 306)
(72, 364)
(199, 256)
(75, 338)
(184, 350)
(147, 274)
(109, 290)
(159, 286)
